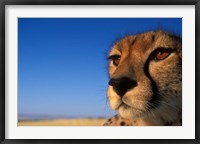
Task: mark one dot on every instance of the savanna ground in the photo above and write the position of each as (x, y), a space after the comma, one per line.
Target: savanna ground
(64, 122)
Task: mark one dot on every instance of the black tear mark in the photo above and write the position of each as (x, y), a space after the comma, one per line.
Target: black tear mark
(154, 97)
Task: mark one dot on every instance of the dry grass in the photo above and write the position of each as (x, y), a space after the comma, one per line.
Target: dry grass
(64, 122)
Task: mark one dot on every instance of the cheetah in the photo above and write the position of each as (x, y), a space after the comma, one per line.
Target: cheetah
(145, 85)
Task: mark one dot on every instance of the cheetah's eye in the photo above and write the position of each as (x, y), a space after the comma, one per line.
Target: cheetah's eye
(115, 59)
(162, 53)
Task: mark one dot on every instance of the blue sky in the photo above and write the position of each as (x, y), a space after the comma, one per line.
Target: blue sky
(62, 65)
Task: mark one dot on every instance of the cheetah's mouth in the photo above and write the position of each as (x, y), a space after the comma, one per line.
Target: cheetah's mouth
(128, 107)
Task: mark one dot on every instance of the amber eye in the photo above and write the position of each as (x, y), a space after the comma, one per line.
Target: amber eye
(115, 59)
(162, 55)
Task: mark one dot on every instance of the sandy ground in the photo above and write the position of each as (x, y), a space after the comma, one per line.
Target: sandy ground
(64, 122)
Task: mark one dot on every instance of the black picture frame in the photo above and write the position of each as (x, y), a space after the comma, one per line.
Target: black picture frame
(3, 3)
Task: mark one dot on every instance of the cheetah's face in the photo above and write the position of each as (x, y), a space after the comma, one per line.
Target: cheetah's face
(146, 75)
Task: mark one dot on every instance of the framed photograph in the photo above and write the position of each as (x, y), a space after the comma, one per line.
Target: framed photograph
(100, 72)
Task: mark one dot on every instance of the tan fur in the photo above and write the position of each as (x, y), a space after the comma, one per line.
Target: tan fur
(134, 107)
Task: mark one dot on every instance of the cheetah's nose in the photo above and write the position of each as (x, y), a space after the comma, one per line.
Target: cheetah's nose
(122, 85)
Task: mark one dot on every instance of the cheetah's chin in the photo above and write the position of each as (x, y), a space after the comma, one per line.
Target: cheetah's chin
(127, 111)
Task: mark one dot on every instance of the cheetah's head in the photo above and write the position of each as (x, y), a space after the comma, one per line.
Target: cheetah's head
(146, 75)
